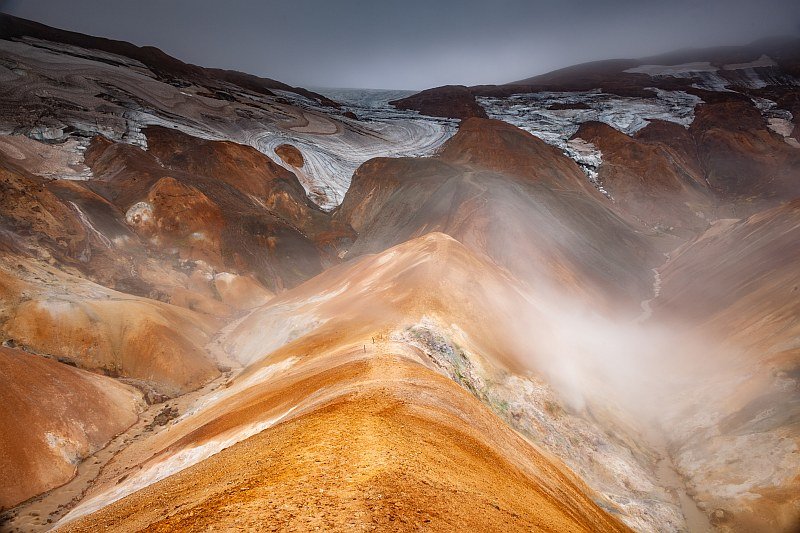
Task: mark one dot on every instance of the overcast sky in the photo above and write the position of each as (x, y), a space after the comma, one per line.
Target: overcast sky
(413, 44)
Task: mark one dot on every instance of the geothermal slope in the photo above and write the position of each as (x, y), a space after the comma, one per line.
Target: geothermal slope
(228, 303)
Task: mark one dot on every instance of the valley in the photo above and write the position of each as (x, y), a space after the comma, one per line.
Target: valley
(568, 303)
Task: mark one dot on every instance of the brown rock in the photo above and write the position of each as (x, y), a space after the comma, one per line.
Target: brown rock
(53, 416)
(290, 155)
(450, 101)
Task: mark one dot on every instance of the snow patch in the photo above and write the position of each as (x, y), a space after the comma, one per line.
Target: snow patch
(778, 120)
(762, 62)
(139, 214)
(683, 70)
(713, 78)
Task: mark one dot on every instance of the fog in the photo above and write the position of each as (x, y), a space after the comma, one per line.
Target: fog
(414, 44)
(651, 370)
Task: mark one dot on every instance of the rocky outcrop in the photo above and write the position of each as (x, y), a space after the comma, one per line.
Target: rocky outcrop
(658, 182)
(450, 101)
(742, 159)
(290, 155)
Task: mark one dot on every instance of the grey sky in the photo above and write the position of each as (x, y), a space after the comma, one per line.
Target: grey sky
(413, 44)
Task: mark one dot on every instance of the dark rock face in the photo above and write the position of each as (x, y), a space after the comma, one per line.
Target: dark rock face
(450, 101)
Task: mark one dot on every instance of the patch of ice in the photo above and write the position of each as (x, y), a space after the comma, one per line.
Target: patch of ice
(589, 158)
(713, 78)
(381, 131)
(117, 98)
(531, 113)
(683, 70)
(44, 133)
(49, 159)
(778, 120)
(761, 62)
(705, 72)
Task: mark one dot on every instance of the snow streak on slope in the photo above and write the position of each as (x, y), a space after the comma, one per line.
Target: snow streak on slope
(55, 93)
(751, 75)
(331, 156)
(555, 116)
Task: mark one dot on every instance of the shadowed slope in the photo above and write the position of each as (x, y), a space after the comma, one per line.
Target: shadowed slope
(742, 159)
(450, 101)
(255, 215)
(660, 185)
(503, 192)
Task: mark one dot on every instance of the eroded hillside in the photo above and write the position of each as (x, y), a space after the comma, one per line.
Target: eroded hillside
(228, 303)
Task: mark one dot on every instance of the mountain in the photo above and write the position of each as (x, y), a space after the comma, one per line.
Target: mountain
(450, 101)
(758, 67)
(54, 416)
(347, 413)
(489, 185)
(167, 68)
(227, 303)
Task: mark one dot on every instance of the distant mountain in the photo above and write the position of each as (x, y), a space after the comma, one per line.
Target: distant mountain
(165, 66)
(763, 64)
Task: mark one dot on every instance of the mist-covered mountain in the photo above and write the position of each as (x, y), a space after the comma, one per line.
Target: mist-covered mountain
(569, 303)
